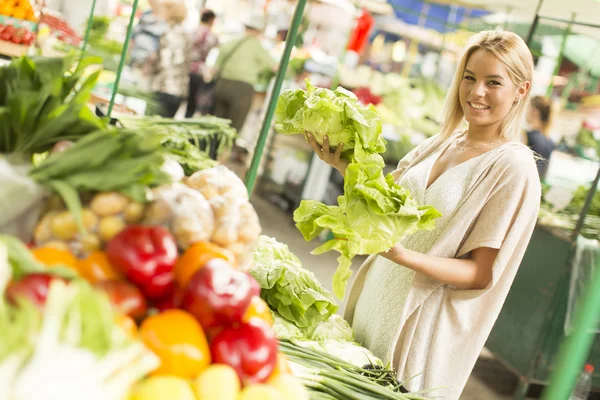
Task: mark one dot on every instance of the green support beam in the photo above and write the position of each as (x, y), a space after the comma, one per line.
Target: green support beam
(123, 58)
(281, 72)
(576, 347)
(561, 54)
(88, 29)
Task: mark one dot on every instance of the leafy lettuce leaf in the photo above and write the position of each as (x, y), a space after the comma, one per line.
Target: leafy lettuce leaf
(336, 114)
(294, 292)
(372, 215)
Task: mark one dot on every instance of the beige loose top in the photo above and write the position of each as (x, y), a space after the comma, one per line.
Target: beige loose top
(423, 327)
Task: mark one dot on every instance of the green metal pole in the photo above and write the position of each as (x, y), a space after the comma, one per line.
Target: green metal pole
(575, 348)
(266, 125)
(88, 28)
(123, 57)
(534, 24)
(561, 54)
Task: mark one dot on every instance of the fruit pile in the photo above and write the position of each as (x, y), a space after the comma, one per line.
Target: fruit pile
(21, 35)
(20, 9)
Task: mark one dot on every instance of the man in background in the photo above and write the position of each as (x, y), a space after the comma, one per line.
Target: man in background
(240, 63)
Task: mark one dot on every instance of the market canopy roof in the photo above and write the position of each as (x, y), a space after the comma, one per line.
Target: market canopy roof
(438, 13)
(586, 12)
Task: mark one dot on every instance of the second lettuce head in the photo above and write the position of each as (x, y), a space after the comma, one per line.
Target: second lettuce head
(335, 113)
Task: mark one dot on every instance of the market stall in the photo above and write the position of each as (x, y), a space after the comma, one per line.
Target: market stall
(87, 195)
(126, 243)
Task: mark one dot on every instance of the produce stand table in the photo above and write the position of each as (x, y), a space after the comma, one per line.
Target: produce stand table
(11, 49)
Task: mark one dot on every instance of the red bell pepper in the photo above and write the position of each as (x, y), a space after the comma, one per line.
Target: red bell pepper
(147, 256)
(32, 287)
(250, 349)
(218, 294)
(125, 297)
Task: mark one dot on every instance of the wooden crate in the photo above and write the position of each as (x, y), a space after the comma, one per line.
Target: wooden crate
(11, 49)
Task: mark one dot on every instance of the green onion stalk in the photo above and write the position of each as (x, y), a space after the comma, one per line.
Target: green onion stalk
(329, 377)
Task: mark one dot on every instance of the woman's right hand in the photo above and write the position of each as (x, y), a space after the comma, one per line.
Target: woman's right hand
(324, 153)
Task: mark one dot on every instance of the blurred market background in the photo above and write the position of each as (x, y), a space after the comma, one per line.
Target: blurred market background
(398, 55)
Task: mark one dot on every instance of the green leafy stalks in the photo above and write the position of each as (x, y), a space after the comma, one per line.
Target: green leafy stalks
(372, 215)
(293, 291)
(42, 103)
(336, 114)
(199, 131)
(113, 160)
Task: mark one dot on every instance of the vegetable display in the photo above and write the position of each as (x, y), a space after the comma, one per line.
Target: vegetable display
(73, 350)
(293, 291)
(329, 377)
(41, 103)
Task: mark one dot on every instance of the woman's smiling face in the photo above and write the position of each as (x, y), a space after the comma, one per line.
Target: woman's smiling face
(486, 91)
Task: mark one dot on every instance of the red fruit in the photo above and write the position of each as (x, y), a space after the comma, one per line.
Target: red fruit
(147, 256)
(32, 287)
(250, 349)
(254, 286)
(125, 297)
(217, 294)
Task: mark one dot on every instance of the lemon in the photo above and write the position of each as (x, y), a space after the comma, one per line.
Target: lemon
(290, 387)
(163, 387)
(260, 392)
(219, 381)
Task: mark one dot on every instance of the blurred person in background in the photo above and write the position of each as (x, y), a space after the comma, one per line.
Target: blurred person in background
(537, 127)
(204, 40)
(170, 72)
(240, 63)
(146, 37)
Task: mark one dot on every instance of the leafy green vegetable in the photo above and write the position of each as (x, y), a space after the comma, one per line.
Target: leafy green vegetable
(372, 215)
(335, 328)
(73, 349)
(201, 131)
(112, 160)
(285, 329)
(287, 287)
(22, 262)
(41, 103)
(336, 114)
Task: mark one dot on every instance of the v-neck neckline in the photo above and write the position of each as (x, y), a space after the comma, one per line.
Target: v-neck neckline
(441, 151)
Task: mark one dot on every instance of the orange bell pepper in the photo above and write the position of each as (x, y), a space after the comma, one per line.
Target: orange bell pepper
(195, 257)
(282, 367)
(258, 309)
(179, 341)
(50, 256)
(127, 324)
(96, 268)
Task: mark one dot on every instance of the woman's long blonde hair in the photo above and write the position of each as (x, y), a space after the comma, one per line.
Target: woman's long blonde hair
(512, 51)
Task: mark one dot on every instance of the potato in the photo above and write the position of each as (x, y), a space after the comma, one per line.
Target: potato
(43, 230)
(110, 226)
(64, 226)
(90, 242)
(109, 203)
(133, 213)
(90, 220)
(57, 244)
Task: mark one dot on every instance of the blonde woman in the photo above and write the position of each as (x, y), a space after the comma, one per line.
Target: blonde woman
(170, 78)
(428, 304)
